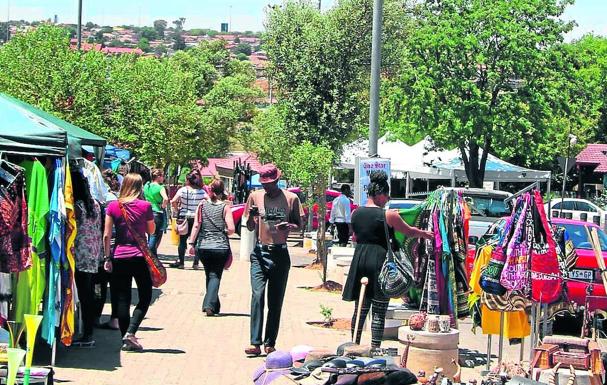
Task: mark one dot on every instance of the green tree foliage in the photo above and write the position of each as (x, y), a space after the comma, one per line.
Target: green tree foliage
(269, 138)
(3, 30)
(178, 41)
(160, 26)
(479, 76)
(179, 23)
(90, 25)
(148, 33)
(243, 48)
(144, 44)
(242, 57)
(148, 105)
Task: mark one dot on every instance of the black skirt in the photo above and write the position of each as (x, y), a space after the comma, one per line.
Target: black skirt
(367, 262)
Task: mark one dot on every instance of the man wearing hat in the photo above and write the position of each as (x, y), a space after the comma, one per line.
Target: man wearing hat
(273, 213)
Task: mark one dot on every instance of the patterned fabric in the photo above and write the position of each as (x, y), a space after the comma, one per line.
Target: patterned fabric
(69, 265)
(378, 320)
(212, 235)
(14, 239)
(89, 242)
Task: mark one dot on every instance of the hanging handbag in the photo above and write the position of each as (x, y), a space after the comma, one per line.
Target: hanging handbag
(546, 278)
(157, 271)
(515, 275)
(396, 274)
(182, 221)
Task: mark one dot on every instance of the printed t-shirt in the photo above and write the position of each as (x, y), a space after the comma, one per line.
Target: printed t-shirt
(283, 208)
(139, 212)
(151, 192)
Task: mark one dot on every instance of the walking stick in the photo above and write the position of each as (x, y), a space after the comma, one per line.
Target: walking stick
(361, 298)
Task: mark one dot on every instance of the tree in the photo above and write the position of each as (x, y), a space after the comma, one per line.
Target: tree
(148, 33)
(476, 77)
(3, 30)
(243, 48)
(237, 40)
(269, 138)
(179, 24)
(116, 43)
(90, 25)
(309, 167)
(242, 57)
(144, 44)
(160, 26)
(178, 41)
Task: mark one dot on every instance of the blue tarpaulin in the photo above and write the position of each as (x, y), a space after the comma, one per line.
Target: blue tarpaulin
(114, 156)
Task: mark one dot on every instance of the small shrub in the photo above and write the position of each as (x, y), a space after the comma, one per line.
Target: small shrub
(327, 313)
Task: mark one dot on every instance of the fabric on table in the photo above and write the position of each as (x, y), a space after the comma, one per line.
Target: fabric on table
(89, 242)
(57, 218)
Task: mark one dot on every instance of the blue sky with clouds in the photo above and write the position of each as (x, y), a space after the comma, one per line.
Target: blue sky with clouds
(245, 14)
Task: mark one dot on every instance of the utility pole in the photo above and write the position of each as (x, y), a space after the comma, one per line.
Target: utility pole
(378, 6)
(79, 30)
(319, 5)
(572, 141)
(8, 19)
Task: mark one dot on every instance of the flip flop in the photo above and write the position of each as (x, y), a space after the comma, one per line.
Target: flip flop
(107, 326)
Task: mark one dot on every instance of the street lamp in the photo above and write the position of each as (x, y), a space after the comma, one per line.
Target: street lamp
(572, 142)
(378, 6)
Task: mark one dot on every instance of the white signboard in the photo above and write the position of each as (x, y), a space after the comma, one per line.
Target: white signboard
(362, 169)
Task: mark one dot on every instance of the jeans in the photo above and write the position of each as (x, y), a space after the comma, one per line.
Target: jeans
(271, 269)
(160, 223)
(213, 262)
(183, 243)
(124, 270)
(86, 295)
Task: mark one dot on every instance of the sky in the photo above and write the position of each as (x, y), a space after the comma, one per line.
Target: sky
(244, 14)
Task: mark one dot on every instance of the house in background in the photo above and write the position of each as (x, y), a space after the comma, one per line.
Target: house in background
(592, 169)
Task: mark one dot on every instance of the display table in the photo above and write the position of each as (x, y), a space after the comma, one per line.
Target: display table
(428, 351)
(40, 375)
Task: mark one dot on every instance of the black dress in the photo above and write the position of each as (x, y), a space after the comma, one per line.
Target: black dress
(370, 253)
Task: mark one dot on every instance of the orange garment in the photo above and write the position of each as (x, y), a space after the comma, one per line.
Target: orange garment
(516, 323)
(69, 306)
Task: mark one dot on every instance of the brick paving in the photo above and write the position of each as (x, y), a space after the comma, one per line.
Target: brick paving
(184, 347)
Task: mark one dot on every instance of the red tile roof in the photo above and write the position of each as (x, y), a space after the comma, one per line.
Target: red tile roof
(594, 154)
(228, 163)
(122, 50)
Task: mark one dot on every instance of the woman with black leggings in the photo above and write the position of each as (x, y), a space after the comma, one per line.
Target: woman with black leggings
(368, 223)
(133, 219)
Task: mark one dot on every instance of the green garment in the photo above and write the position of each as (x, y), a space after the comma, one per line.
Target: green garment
(183, 173)
(409, 216)
(32, 282)
(151, 192)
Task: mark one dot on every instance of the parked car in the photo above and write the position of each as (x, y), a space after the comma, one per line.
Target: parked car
(586, 271)
(578, 208)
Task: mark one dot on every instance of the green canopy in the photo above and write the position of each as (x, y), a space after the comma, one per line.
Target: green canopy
(77, 137)
(24, 133)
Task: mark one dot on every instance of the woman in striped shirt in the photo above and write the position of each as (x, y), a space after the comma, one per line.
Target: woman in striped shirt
(185, 202)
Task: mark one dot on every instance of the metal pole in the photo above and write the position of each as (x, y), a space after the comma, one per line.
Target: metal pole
(79, 30)
(500, 353)
(378, 6)
(565, 174)
(489, 342)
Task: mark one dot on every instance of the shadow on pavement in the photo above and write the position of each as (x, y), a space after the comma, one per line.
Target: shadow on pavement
(104, 356)
(149, 329)
(163, 351)
(232, 315)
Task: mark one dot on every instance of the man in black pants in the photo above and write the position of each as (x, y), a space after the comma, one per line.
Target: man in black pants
(273, 213)
(341, 215)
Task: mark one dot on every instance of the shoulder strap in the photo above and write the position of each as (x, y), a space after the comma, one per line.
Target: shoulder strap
(388, 238)
(138, 238)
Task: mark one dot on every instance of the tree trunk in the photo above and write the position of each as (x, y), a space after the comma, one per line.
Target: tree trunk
(321, 250)
(475, 167)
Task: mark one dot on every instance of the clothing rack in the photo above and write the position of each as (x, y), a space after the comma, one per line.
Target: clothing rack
(532, 186)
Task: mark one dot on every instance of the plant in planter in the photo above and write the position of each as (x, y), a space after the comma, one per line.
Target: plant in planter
(327, 314)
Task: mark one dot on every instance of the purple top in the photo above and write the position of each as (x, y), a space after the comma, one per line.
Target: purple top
(140, 212)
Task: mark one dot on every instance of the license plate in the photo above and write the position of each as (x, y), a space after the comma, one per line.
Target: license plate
(584, 275)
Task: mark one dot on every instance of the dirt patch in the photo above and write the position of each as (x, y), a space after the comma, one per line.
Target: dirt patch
(329, 286)
(336, 324)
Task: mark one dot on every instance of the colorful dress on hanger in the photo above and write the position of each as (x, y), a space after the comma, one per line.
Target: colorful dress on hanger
(69, 265)
(52, 309)
(32, 282)
(15, 253)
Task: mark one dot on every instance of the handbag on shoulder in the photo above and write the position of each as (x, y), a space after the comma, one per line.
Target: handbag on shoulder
(183, 227)
(157, 270)
(396, 274)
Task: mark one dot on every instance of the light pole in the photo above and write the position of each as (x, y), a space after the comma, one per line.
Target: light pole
(378, 6)
(79, 30)
(572, 142)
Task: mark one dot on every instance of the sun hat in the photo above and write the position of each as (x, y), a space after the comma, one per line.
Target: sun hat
(269, 173)
(307, 367)
(300, 352)
(277, 363)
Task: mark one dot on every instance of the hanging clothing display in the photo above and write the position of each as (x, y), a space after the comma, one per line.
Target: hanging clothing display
(89, 242)
(97, 185)
(32, 282)
(68, 265)
(438, 264)
(6, 292)
(14, 237)
(52, 309)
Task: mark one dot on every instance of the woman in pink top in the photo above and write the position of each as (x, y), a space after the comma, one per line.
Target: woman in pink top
(127, 261)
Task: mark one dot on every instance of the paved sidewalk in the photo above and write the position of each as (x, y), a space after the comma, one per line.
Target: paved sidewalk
(184, 347)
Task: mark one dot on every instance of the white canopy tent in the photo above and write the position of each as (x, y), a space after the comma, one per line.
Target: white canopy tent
(424, 161)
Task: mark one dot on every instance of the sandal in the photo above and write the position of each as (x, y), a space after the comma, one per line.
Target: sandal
(253, 351)
(269, 349)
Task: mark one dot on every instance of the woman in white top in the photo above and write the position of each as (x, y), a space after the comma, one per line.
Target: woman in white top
(184, 203)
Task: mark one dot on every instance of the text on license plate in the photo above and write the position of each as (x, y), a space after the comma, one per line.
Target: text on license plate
(584, 275)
